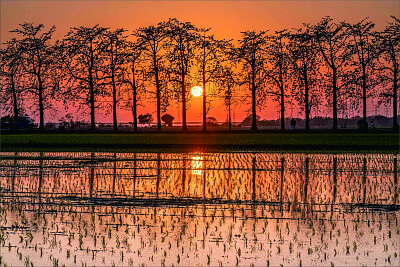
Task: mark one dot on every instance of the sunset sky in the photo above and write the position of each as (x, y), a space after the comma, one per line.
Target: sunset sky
(226, 18)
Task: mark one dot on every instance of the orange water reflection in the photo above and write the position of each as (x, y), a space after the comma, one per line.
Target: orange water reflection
(129, 209)
(267, 177)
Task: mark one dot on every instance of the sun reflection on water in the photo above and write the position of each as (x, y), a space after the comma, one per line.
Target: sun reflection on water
(197, 165)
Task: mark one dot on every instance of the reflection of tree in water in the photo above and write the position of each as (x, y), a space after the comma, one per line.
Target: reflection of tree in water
(91, 178)
(205, 178)
(396, 183)
(183, 183)
(14, 171)
(158, 173)
(134, 174)
(40, 184)
(334, 179)
(364, 179)
(306, 168)
(257, 177)
(114, 173)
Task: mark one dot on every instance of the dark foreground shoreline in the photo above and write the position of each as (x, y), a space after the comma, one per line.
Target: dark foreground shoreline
(294, 142)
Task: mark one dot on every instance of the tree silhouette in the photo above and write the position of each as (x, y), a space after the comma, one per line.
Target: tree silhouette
(181, 51)
(11, 78)
(389, 70)
(251, 53)
(38, 62)
(167, 119)
(364, 52)
(211, 121)
(348, 61)
(152, 38)
(82, 54)
(209, 63)
(115, 48)
(228, 82)
(146, 118)
(133, 55)
(277, 71)
(304, 66)
(332, 39)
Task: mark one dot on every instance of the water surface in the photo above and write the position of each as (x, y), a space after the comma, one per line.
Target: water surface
(129, 209)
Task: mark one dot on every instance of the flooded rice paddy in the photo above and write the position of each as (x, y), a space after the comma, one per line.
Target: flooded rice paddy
(199, 209)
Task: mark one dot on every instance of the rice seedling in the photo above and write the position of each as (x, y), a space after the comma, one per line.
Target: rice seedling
(228, 220)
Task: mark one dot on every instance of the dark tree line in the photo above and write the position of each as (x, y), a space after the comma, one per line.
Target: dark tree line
(312, 66)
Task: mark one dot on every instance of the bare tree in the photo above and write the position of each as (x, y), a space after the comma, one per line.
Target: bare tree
(389, 70)
(209, 63)
(82, 54)
(332, 39)
(277, 71)
(115, 46)
(152, 38)
(364, 54)
(11, 76)
(304, 70)
(251, 54)
(228, 81)
(181, 51)
(37, 57)
(134, 77)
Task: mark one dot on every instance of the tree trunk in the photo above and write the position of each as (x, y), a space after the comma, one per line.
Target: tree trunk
(395, 124)
(158, 94)
(334, 100)
(41, 107)
(282, 109)
(282, 177)
(204, 86)
(307, 108)
(282, 98)
(92, 107)
(364, 96)
(253, 106)
(204, 101)
(114, 102)
(184, 126)
(134, 106)
(229, 115)
(15, 100)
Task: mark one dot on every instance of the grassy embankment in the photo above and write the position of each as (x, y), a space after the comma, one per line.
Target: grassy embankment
(385, 142)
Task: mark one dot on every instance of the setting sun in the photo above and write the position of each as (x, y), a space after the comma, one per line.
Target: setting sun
(196, 91)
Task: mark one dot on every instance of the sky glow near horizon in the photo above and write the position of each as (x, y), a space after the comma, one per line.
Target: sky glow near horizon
(227, 19)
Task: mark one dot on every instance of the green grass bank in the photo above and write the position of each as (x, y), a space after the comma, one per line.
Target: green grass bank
(385, 142)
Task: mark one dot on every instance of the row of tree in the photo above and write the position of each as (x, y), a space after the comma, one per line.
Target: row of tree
(315, 65)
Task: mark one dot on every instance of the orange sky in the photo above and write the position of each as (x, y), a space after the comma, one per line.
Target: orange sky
(226, 18)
